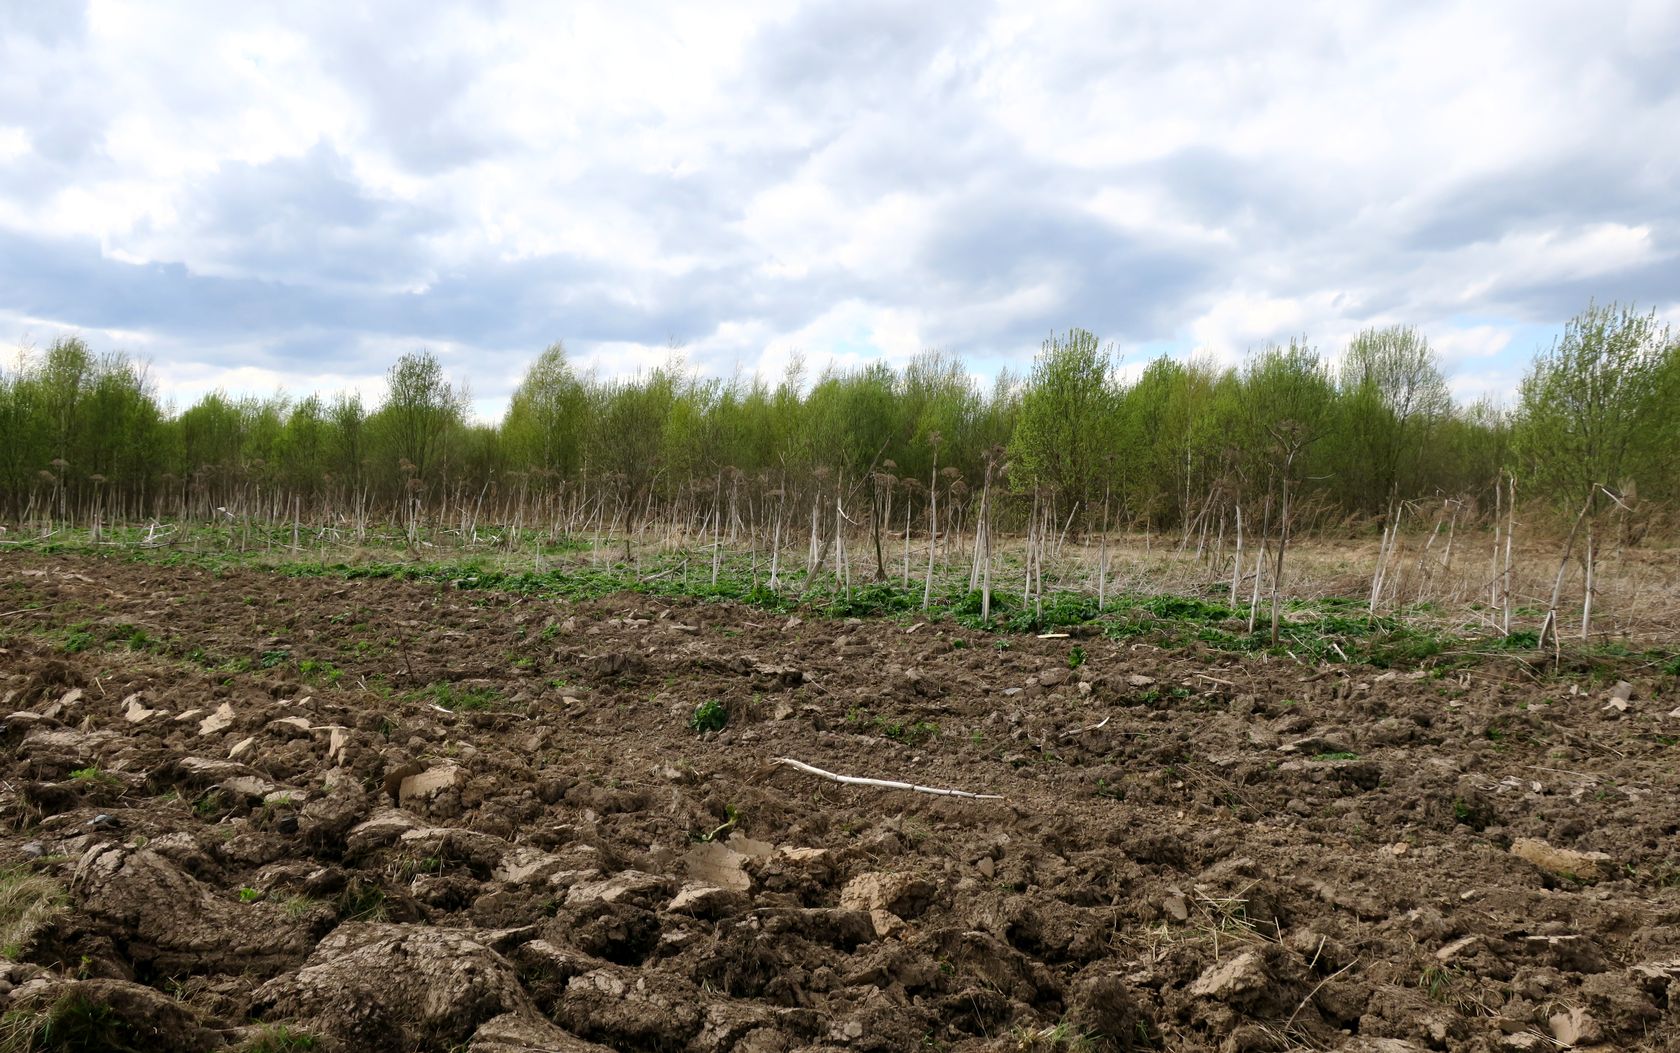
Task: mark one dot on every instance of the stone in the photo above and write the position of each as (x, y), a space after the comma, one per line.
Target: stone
(1564, 862)
(426, 785)
(904, 895)
(1575, 1027)
(219, 721)
(630, 886)
(1139, 680)
(715, 863)
(135, 711)
(243, 748)
(1457, 947)
(705, 901)
(1235, 980)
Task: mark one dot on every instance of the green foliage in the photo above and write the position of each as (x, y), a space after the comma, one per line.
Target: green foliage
(460, 699)
(710, 715)
(1597, 408)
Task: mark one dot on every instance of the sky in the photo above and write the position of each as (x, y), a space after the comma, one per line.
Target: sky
(262, 197)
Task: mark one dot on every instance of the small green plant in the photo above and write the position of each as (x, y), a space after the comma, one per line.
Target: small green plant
(270, 659)
(460, 699)
(710, 715)
(320, 670)
(732, 818)
(95, 777)
(249, 894)
(1336, 755)
(1076, 658)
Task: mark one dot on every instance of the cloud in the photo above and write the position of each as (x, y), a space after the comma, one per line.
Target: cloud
(295, 196)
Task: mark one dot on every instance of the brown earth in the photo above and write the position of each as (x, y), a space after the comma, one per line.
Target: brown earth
(1195, 850)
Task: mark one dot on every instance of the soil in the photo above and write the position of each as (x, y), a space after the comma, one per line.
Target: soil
(263, 811)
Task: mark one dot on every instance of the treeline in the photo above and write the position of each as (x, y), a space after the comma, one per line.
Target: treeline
(1185, 446)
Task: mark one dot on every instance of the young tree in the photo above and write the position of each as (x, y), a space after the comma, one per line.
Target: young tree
(420, 410)
(1590, 417)
(1393, 398)
(1065, 426)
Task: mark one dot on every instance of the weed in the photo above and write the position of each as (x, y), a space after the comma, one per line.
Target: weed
(270, 659)
(459, 699)
(320, 670)
(95, 777)
(1336, 755)
(1076, 658)
(249, 894)
(710, 715)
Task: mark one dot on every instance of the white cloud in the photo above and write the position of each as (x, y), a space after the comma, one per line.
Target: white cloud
(851, 181)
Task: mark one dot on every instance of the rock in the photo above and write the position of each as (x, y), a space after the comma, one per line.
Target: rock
(888, 898)
(1235, 980)
(243, 748)
(391, 988)
(1574, 1027)
(1055, 677)
(219, 721)
(527, 1033)
(706, 901)
(1622, 692)
(252, 786)
(715, 863)
(523, 864)
(1177, 907)
(986, 867)
(1457, 947)
(425, 786)
(1564, 862)
(631, 886)
(135, 711)
(1139, 680)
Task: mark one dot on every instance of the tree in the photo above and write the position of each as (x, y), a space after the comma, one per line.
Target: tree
(1064, 428)
(1591, 417)
(1393, 398)
(420, 410)
(548, 416)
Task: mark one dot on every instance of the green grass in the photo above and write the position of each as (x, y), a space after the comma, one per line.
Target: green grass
(460, 699)
(910, 733)
(1332, 629)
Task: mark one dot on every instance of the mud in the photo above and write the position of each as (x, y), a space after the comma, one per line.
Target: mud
(264, 811)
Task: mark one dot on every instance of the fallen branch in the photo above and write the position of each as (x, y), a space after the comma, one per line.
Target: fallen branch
(1089, 727)
(885, 784)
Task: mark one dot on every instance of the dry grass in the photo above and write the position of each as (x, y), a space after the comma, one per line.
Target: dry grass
(28, 904)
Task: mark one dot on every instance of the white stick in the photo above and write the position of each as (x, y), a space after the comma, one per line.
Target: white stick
(885, 784)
